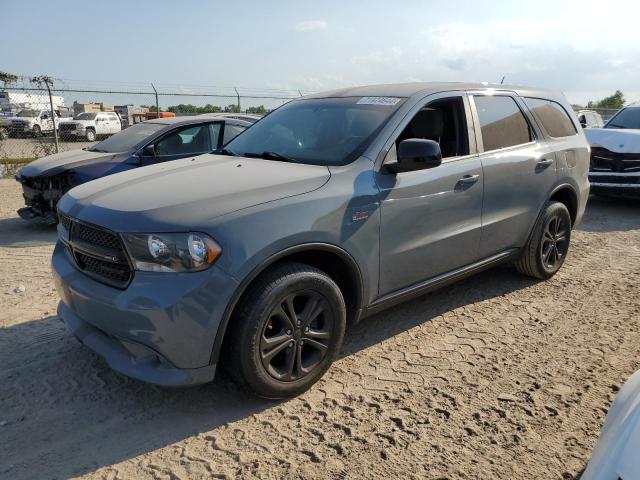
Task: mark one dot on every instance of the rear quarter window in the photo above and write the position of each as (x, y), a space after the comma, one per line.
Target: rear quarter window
(554, 117)
(502, 123)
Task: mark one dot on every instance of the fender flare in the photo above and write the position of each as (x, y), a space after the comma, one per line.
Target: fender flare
(244, 284)
(555, 190)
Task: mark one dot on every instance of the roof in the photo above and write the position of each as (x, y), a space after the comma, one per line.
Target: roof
(185, 119)
(409, 89)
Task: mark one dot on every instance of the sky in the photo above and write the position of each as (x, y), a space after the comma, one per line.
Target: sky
(588, 49)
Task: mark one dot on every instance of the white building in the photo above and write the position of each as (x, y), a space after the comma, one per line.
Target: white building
(28, 99)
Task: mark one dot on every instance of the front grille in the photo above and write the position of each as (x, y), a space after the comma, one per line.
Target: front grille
(114, 272)
(603, 160)
(96, 236)
(66, 127)
(97, 252)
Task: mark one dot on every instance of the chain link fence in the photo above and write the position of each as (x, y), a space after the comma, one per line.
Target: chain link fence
(36, 117)
(605, 113)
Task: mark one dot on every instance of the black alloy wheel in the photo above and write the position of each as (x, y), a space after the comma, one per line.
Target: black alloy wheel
(296, 336)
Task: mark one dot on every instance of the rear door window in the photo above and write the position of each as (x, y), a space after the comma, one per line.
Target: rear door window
(554, 117)
(502, 123)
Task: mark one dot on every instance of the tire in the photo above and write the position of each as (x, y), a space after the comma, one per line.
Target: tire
(4, 133)
(548, 245)
(36, 131)
(90, 135)
(276, 354)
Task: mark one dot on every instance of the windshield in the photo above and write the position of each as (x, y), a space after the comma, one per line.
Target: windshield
(27, 113)
(128, 138)
(325, 131)
(85, 116)
(626, 118)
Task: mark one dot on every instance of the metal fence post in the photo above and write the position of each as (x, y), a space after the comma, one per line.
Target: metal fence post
(238, 95)
(53, 118)
(157, 103)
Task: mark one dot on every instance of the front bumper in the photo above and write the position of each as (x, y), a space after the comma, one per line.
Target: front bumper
(73, 133)
(160, 329)
(624, 184)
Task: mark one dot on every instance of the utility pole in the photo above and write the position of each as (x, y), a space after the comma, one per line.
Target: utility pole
(157, 103)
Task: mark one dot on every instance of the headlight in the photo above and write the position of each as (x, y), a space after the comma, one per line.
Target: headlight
(171, 252)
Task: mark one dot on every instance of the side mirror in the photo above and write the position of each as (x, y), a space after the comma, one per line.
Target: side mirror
(149, 151)
(417, 154)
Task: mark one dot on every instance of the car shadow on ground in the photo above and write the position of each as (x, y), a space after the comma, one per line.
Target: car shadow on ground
(606, 214)
(64, 404)
(17, 233)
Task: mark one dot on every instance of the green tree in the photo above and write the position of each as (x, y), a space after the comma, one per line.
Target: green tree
(260, 109)
(614, 101)
(8, 78)
(233, 108)
(152, 108)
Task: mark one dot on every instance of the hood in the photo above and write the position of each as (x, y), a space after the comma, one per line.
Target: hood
(615, 455)
(185, 194)
(55, 164)
(618, 140)
(23, 119)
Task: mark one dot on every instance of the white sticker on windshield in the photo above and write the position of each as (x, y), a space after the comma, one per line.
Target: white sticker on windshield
(378, 101)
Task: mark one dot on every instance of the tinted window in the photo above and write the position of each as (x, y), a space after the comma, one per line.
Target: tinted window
(320, 131)
(554, 117)
(86, 116)
(626, 118)
(501, 122)
(129, 138)
(188, 141)
(231, 132)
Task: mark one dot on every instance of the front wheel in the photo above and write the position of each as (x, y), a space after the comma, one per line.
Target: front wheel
(36, 131)
(91, 135)
(287, 331)
(547, 248)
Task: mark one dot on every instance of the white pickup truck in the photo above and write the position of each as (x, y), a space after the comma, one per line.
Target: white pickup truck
(90, 126)
(31, 122)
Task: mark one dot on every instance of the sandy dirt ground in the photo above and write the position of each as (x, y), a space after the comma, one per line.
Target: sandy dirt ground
(497, 377)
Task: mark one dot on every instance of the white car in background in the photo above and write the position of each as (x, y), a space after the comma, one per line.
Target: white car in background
(615, 155)
(90, 126)
(616, 456)
(590, 119)
(32, 122)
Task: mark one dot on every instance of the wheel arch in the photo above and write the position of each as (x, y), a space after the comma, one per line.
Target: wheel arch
(331, 259)
(567, 195)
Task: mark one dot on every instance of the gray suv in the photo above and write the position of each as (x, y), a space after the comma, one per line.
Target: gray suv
(331, 208)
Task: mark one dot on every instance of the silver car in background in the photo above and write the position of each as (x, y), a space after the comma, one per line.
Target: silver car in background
(615, 155)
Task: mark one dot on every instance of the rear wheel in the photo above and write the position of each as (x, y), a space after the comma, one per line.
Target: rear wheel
(547, 248)
(287, 332)
(90, 135)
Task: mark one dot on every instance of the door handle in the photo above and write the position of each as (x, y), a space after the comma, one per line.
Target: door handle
(545, 162)
(469, 179)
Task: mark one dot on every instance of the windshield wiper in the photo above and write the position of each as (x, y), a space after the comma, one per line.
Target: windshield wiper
(97, 150)
(615, 125)
(271, 156)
